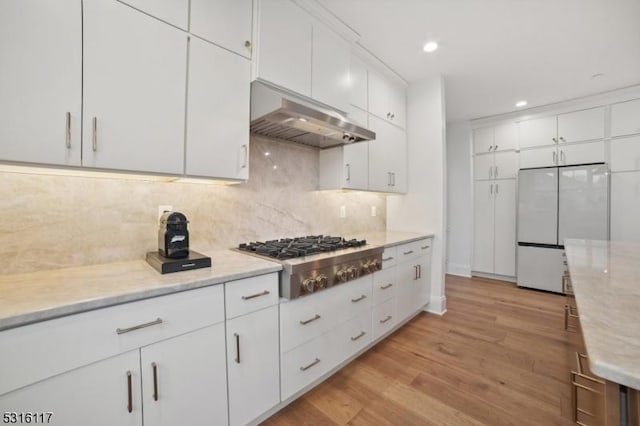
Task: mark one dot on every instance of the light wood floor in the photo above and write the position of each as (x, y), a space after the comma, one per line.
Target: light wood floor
(499, 356)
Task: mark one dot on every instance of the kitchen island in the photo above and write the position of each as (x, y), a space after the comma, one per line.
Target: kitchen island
(605, 276)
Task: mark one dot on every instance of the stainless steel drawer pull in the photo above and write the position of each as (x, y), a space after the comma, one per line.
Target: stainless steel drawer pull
(68, 131)
(305, 322)
(419, 271)
(138, 327)
(306, 367)
(348, 167)
(94, 134)
(129, 393)
(354, 338)
(237, 336)
(357, 299)
(407, 252)
(425, 247)
(246, 156)
(382, 321)
(253, 296)
(387, 258)
(384, 287)
(155, 380)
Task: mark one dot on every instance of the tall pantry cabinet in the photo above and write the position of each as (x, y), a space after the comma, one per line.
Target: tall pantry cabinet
(495, 171)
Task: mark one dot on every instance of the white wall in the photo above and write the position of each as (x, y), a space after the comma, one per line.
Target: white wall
(459, 208)
(422, 209)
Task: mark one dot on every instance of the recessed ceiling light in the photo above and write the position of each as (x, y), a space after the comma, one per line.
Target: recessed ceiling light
(430, 46)
(520, 104)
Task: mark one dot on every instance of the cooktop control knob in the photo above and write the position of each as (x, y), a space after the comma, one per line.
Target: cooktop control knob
(308, 285)
(341, 275)
(321, 281)
(374, 265)
(353, 272)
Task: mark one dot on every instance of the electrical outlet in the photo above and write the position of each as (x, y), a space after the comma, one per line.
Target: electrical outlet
(374, 211)
(163, 208)
(343, 211)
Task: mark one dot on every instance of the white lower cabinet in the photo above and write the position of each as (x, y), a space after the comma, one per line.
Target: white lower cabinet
(253, 364)
(384, 317)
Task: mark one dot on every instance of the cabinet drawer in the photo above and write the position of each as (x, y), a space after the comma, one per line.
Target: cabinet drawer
(413, 250)
(306, 363)
(389, 257)
(384, 318)
(250, 294)
(384, 285)
(352, 336)
(35, 352)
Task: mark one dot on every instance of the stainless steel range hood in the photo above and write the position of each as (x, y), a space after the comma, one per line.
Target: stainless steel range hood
(283, 115)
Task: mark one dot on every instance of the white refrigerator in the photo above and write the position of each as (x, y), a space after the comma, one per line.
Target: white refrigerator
(555, 203)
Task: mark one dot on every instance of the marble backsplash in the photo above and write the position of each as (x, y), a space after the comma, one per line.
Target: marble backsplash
(52, 222)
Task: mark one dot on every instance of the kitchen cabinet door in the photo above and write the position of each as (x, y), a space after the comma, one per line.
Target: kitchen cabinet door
(482, 140)
(330, 68)
(358, 86)
(625, 118)
(226, 23)
(483, 226)
(41, 84)
(483, 166)
(253, 362)
(506, 165)
(358, 116)
(538, 157)
(284, 45)
(218, 113)
(581, 125)
(538, 132)
(581, 153)
(398, 159)
(505, 137)
(379, 155)
(175, 12)
(134, 90)
(387, 100)
(384, 317)
(97, 394)
(625, 154)
(356, 165)
(423, 288)
(625, 207)
(505, 228)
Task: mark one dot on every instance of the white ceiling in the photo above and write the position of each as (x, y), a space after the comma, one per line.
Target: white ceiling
(496, 52)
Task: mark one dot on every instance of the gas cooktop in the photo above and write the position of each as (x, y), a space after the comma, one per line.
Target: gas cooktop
(288, 248)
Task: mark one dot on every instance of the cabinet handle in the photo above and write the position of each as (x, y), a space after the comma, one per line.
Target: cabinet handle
(129, 393)
(393, 116)
(348, 167)
(562, 138)
(384, 287)
(94, 134)
(407, 252)
(387, 258)
(362, 333)
(496, 172)
(306, 367)
(247, 44)
(415, 272)
(555, 140)
(388, 115)
(138, 327)
(305, 322)
(237, 336)
(155, 380)
(491, 147)
(554, 157)
(393, 179)
(490, 172)
(497, 189)
(246, 156)
(495, 147)
(253, 296)
(68, 131)
(357, 299)
(382, 321)
(424, 247)
(419, 271)
(561, 155)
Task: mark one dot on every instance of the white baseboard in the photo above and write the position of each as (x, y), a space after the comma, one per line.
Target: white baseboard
(459, 270)
(437, 305)
(495, 276)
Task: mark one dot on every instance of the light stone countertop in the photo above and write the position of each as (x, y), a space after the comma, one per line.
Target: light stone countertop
(38, 296)
(390, 238)
(606, 282)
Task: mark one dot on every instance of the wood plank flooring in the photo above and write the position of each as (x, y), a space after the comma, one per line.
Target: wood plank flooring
(499, 356)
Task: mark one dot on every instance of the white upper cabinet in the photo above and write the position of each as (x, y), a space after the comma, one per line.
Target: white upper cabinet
(358, 83)
(226, 23)
(581, 153)
(625, 154)
(538, 132)
(330, 68)
(387, 100)
(175, 12)
(505, 165)
(41, 44)
(134, 90)
(387, 157)
(218, 118)
(505, 137)
(284, 45)
(482, 140)
(540, 157)
(483, 167)
(356, 163)
(625, 118)
(581, 125)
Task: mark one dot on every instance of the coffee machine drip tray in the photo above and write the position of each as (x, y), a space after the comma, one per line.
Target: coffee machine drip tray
(165, 265)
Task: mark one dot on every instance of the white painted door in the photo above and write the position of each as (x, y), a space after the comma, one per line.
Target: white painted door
(356, 165)
(538, 157)
(226, 23)
(625, 206)
(330, 68)
(483, 166)
(423, 287)
(505, 137)
(397, 158)
(174, 12)
(189, 384)
(625, 154)
(97, 394)
(625, 118)
(253, 362)
(135, 70)
(380, 155)
(358, 90)
(583, 204)
(386, 99)
(41, 43)
(504, 259)
(540, 268)
(483, 140)
(218, 113)
(538, 206)
(581, 125)
(506, 165)
(407, 289)
(284, 45)
(483, 210)
(581, 153)
(538, 132)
